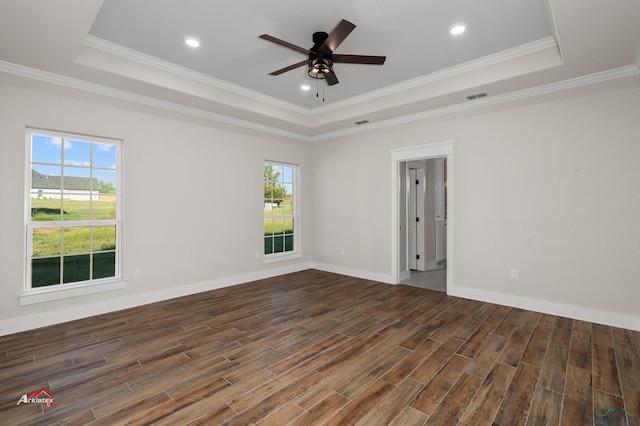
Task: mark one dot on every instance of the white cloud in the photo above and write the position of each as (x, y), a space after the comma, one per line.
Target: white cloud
(103, 146)
(58, 141)
(77, 163)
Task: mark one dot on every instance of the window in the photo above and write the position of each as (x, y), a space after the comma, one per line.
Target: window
(280, 210)
(73, 222)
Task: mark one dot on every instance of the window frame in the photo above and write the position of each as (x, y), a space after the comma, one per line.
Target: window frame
(297, 249)
(58, 291)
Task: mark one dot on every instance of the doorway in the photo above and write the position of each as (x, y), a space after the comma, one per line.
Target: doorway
(425, 198)
(431, 196)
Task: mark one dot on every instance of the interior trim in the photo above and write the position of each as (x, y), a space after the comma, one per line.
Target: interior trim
(78, 311)
(626, 71)
(496, 58)
(597, 316)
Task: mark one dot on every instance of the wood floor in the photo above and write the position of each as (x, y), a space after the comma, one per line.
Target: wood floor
(315, 348)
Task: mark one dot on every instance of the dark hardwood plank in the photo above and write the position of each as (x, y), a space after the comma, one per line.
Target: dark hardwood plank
(391, 406)
(516, 344)
(361, 405)
(545, 408)
(430, 367)
(358, 383)
(497, 316)
(510, 322)
(409, 363)
(314, 347)
(608, 408)
(486, 401)
(628, 359)
(483, 362)
(320, 412)
(605, 370)
(562, 331)
(580, 349)
(455, 403)
(537, 347)
(435, 391)
(632, 402)
(554, 368)
(577, 405)
(409, 416)
(476, 342)
(516, 403)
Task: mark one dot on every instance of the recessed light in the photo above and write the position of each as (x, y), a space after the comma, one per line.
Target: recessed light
(305, 87)
(192, 42)
(457, 29)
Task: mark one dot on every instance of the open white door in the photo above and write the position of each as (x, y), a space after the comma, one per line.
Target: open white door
(416, 218)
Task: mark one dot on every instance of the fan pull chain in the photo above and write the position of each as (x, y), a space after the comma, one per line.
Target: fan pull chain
(318, 89)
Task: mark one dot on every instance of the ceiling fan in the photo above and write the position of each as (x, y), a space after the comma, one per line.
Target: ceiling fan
(321, 57)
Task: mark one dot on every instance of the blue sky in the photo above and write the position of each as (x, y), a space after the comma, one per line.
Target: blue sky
(78, 155)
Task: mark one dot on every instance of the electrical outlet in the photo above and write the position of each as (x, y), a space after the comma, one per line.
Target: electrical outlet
(257, 255)
(341, 252)
(514, 274)
(137, 273)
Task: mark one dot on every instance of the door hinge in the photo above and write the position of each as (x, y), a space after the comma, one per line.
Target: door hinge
(418, 256)
(417, 219)
(417, 182)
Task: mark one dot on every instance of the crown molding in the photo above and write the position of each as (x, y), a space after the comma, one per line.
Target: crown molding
(99, 89)
(496, 58)
(152, 61)
(626, 71)
(32, 73)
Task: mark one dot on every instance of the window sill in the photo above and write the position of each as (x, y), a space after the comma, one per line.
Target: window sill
(66, 291)
(281, 257)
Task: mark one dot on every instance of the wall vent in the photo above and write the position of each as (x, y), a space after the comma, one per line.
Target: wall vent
(476, 96)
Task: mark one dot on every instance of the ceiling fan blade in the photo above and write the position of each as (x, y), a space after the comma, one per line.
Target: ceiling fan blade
(337, 36)
(331, 78)
(359, 59)
(290, 67)
(285, 43)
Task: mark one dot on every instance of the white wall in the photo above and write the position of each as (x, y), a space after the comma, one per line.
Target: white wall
(182, 239)
(550, 186)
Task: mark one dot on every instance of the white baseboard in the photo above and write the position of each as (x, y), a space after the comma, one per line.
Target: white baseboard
(32, 321)
(597, 316)
(432, 264)
(352, 272)
(28, 322)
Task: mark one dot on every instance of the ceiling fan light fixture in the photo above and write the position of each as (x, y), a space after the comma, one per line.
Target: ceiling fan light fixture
(318, 67)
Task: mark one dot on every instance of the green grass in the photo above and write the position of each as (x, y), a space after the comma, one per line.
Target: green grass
(48, 241)
(278, 232)
(278, 225)
(77, 239)
(45, 209)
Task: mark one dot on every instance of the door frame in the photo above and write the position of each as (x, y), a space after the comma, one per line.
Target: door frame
(420, 152)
